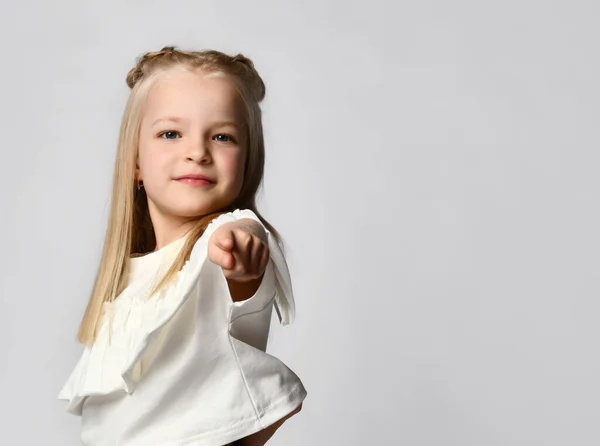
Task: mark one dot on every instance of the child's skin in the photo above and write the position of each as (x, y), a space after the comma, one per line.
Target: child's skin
(241, 249)
(193, 125)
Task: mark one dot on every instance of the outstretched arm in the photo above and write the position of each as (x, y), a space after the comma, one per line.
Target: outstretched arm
(241, 249)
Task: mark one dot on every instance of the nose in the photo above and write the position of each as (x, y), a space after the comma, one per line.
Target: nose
(199, 152)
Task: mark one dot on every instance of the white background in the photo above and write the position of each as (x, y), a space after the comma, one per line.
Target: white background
(432, 166)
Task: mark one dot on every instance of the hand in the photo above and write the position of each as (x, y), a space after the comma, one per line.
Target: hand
(240, 249)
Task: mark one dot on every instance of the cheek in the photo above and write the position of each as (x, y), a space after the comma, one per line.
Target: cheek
(152, 160)
(232, 165)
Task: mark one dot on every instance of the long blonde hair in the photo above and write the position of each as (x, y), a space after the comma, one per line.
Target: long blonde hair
(129, 227)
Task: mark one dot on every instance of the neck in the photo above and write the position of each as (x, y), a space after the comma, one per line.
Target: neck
(168, 228)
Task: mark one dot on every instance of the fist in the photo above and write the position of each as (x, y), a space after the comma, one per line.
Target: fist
(237, 248)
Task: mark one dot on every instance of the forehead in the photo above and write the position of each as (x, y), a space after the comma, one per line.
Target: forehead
(197, 94)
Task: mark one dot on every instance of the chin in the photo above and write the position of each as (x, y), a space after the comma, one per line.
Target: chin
(195, 210)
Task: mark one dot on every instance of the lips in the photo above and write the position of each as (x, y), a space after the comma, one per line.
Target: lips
(195, 180)
(195, 177)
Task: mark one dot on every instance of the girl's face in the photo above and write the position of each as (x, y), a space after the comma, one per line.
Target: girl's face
(192, 148)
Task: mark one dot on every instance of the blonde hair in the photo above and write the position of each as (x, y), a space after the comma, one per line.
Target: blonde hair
(129, 227)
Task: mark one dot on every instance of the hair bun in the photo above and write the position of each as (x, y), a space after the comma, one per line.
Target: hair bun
(133, 76)
(254, 78)
(244, 60)
(137, 72)
(238, 65)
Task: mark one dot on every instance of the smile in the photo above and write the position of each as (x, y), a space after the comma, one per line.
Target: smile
(195, 182)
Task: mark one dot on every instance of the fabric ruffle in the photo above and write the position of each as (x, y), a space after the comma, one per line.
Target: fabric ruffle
(95, 374)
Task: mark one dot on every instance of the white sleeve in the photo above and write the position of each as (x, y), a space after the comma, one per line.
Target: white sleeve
(284, 297)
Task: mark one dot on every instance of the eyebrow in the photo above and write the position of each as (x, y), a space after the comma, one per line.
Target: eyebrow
(169, 118)
(178, 119)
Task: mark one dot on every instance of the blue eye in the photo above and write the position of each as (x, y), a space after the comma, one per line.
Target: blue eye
(168, 132)
(227, 138)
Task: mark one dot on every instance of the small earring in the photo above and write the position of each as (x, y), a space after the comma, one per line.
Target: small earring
(139, 184)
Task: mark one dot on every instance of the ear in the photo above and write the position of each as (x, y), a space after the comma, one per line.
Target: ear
(138, 174)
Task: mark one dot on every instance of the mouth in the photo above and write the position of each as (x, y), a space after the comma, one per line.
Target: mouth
(195, 180)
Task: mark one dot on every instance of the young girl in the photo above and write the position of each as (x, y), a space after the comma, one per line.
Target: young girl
(176, 328)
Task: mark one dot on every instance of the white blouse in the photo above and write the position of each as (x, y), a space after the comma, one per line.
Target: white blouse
(187, 366)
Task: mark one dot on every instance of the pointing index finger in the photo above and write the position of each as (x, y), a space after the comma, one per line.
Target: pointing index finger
(225, 241)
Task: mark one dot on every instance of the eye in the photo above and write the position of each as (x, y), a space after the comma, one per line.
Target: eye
(223, 137)
(168, 134)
